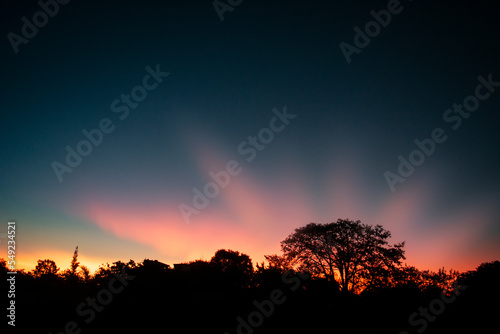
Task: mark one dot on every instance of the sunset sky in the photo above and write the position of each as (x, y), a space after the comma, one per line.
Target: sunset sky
(228, 80)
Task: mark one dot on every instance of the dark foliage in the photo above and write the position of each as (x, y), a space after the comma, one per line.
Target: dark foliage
(291, 294)
(200, 297)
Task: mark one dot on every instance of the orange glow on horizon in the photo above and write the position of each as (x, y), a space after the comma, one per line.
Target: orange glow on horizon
(252, 216)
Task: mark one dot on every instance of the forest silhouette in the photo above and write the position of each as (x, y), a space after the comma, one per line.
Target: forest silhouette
(342, 277)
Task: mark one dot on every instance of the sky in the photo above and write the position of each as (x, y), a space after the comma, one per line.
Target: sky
(303, 111)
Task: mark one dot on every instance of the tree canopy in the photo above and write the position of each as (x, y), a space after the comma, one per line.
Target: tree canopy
(355, 254)
(45, 267)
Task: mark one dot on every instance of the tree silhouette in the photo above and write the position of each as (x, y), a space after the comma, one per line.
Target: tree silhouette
(238, 267)
(228, 260)
(225, 291)
(357, 253)
(71, 273)
(3, 267)
(45, 268)
(117, 267)
(486, 276)
(74, 262)
(85, 273)
(281, 263)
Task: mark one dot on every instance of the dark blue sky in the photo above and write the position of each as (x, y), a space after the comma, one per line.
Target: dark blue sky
(353, 121)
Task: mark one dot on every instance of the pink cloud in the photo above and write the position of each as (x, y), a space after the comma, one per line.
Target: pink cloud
(254, 214)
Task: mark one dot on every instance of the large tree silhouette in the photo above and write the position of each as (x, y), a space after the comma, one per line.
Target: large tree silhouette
(358, 254)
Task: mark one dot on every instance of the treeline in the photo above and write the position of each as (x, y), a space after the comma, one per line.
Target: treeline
(227, 294)
(341, 277)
